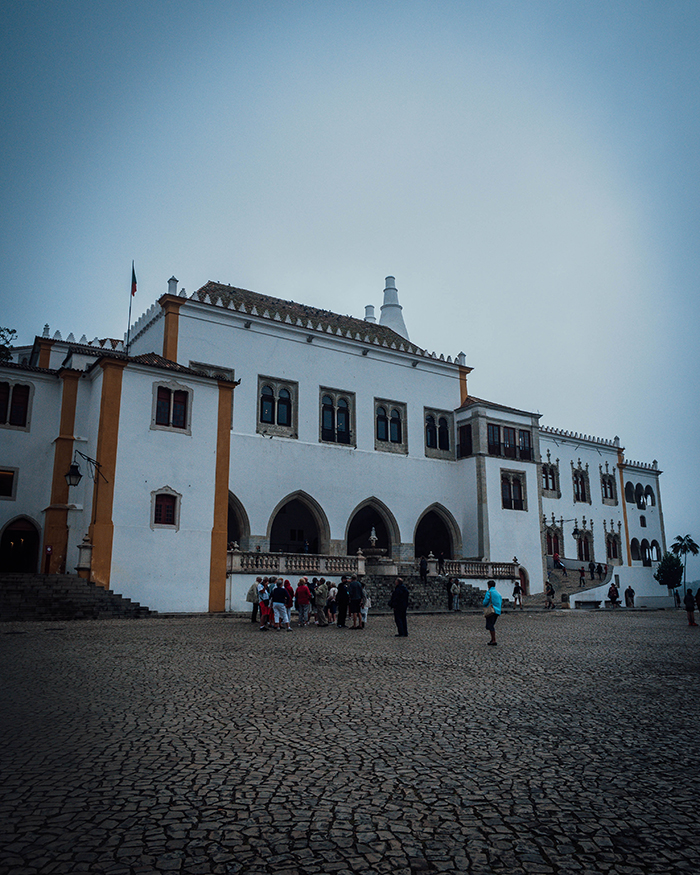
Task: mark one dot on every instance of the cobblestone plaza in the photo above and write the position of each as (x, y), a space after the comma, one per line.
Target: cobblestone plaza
(201, 745)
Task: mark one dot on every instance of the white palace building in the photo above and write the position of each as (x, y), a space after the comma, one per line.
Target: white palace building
(245, 433)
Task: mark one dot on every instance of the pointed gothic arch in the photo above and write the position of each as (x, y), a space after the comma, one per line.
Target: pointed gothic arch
(238, 523)
(372, 513)
(437, 531)
(306, 524)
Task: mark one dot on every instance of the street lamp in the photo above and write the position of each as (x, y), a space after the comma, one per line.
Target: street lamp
(73, 475)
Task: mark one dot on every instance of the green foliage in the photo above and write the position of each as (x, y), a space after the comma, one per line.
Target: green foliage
(670, 571)
(7, 338)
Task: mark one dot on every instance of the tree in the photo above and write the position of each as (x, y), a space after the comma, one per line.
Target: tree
(670, 571)
(682, 545)
(7, 338)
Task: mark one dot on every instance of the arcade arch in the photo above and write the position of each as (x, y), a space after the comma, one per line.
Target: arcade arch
(299, 525)
(372, 514)
(437, 532)
(19, 546)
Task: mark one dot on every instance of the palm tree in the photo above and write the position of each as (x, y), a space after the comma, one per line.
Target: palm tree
(682, 545)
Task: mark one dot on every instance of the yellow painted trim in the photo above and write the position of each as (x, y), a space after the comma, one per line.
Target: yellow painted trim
(102, 528)
(171, 309)
(56, 519)
(45, 352)
(219, 532)
(464, 371)
(621, 466)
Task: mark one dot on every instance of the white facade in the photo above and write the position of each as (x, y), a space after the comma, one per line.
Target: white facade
(336, 426)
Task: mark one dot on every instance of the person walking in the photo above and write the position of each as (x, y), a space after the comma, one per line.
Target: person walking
(549, 593)
(320, 597)
(399, 603)
(289, 602)
(492, 609)
(253, 597)
(689, 603)
(629, 597)
(581, 576)
(332, 603)
(517, 595)
(343, 601)
(278, 601)
(355, 592)
(591, 568)
(264, 602)
(365, 606)
(614, 595)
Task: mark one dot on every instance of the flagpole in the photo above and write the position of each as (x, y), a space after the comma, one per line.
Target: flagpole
(131, 297)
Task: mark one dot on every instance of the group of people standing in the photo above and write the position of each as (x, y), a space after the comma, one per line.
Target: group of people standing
(327, 603)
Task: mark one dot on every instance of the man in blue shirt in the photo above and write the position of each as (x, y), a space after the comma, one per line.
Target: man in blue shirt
(492, 601)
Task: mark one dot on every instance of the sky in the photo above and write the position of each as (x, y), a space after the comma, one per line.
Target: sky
(528, 171)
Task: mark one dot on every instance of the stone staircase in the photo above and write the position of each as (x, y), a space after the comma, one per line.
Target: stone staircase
(430, 596)
(61, 597)
(567, 585)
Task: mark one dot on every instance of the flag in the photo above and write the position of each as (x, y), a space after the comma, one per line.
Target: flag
(133, 280)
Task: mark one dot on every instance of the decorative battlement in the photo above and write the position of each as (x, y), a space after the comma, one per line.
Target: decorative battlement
(109, 343)
(153, 314)
(577, 436)
(644, 466)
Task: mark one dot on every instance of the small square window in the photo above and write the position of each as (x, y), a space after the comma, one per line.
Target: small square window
(8, 482)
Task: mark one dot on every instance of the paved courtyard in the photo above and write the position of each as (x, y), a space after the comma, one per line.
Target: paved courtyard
(202, 745)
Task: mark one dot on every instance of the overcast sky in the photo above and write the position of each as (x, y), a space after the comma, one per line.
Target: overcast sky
(528, 171)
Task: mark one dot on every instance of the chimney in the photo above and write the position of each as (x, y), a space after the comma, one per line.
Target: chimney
(369, 313)
(391, 309)
(172, 286)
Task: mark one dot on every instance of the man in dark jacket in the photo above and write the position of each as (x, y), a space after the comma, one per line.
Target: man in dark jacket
(399, 602)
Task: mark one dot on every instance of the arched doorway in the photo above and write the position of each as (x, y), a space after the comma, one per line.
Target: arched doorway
(238, 526)
(297, 527)
(433, 536)
(524, 580)
(360, 530)
(19, 547)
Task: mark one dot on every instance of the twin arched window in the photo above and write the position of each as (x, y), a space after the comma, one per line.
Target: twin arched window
(437, 432)
(389, 425)
(335, 419)
(276, 405)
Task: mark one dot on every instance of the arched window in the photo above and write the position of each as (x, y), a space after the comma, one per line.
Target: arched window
(327, 418)
(646, 552)
(584, 548)
(430, 432)
(382, 425)
(549, 477)
(634, 549)
(649, 496)
(284, 408)
(267, 405)
(655, 551)
(611, 545)
(395, 428)
(443, 434)
(343, 412)
(580, 493)
(639, 496)
(629, 492)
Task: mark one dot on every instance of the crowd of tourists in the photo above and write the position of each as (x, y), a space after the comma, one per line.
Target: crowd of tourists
(316, 601)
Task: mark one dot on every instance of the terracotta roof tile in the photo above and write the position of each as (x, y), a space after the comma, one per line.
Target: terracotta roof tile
(292, 313)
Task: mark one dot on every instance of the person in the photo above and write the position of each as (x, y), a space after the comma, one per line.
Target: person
(448, 587)
(365, 606)
(441, 563)
(614, 595)
(689, 603)
(264, 602)
(355, 593)
(581, 576)
(331, 603)
(629, 597)
(493, 600)
(591, 568)
(343, 600)
(697, 598)
(399, 603)
(455, 589)
(253, 597)
(289, 602)
(517, 595)
(278, 600)
(676, 598)
(320, 596)
(303, 597)
(559, 564)
(549, 593)
(423, 569)
(599, 571)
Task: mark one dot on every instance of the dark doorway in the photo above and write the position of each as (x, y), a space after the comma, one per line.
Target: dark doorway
(433, 535)
(19, 547)
(294, 529)
(360, 530)
(234, 526)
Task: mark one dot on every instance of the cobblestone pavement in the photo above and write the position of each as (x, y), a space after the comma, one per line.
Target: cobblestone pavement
(201, 745)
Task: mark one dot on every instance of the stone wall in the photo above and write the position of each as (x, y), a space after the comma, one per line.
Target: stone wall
(430, 596)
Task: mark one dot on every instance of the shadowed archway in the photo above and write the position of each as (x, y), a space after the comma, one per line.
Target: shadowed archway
(299, 525)
(372, 514)
(437, 532)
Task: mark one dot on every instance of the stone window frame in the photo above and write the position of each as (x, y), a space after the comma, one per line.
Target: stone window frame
(511, 476)
(436, 452)
(389, 446)
(8, 469)
(270, 429)
(172, 386)
(30, 399)
(554, 531)
(613, 538)
(166, 490)
(551, 468)
(608, 480)
(585, 537)
(336, 395)
(581, 472)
